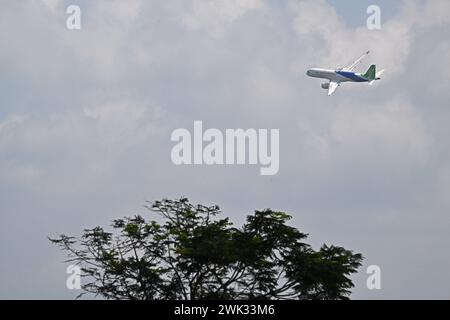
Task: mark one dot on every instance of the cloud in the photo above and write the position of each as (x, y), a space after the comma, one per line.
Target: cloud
(114, 22)
(434, 13)
(125, 121)
(394, 129)
(11, 122)
(373, 129)
(53, 5)
(216, 16)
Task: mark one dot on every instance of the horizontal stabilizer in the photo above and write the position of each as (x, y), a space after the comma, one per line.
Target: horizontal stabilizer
(377, 77)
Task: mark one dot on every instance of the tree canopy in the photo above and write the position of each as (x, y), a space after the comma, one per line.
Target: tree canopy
(190, 253)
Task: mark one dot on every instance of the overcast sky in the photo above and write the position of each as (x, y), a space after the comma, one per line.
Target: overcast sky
(86, 118)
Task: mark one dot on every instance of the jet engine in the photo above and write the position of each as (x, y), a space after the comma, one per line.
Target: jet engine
(325, 85)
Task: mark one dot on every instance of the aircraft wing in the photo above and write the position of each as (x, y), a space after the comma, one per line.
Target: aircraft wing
(354, 64)
(332, 87)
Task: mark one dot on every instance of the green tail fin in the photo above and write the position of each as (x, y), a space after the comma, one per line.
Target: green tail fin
(371, 73)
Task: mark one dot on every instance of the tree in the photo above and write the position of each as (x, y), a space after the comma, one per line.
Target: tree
(191, 254)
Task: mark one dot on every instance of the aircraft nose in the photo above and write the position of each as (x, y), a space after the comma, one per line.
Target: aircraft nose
(308, 73)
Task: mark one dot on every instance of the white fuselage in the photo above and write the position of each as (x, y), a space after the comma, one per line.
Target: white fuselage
(338, 75)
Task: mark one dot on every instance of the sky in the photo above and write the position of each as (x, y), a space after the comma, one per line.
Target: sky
(86, 118)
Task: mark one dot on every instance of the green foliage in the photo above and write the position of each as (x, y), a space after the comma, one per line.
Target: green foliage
(192, 254)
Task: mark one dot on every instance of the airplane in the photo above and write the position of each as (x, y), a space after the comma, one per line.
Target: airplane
(336, 77)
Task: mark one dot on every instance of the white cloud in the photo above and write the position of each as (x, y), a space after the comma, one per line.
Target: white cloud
(102, 41)
(315, 18)
(215, 15)
(434, 13)
(374, 140)
(117, 113)
(8, 127)
(12, 121)
(392, 129)
(52, 5)
(119, 11)
(267, 88)
(125, 121)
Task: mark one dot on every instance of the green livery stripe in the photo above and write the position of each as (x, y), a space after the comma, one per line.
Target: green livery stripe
(371, 73)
